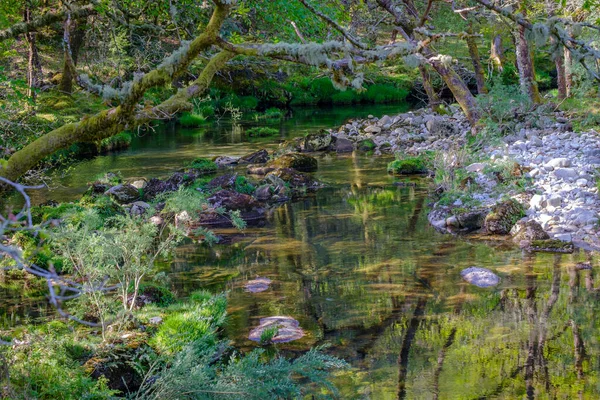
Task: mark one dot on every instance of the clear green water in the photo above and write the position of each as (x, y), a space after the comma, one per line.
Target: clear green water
(358, 265)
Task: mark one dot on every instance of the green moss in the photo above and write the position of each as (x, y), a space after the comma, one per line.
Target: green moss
(408, 165)
(243, 186)
(191, 120)
(551, 245)
(117, 142)
(366, 145)
(262, 131)
(204, 166)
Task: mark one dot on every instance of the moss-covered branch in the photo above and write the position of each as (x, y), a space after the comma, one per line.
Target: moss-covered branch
(45, 20)
(110, 122)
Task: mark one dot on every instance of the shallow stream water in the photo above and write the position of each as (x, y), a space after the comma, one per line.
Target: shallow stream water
(360, 268)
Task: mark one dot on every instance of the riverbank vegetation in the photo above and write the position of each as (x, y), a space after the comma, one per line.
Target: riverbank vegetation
(86, 78)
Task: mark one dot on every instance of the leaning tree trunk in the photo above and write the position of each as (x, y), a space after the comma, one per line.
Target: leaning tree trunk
(568, 64)
(527, 81)
(497, 53)
(34, 67)
(477, 66)
(432, 97)
(459, 89)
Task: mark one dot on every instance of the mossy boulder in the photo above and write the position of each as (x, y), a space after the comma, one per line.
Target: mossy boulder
(528, 230)
(408, 166)
(320, 141)
(119, 362)
(503, 217)
(124, 193)
(366, 145)
(203, 166)
(297, 161)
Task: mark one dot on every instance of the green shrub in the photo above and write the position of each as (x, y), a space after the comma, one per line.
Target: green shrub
(47, 367)
(262, 131)
(204, 166)
(270, 113)
(384, 94)
(159, 294)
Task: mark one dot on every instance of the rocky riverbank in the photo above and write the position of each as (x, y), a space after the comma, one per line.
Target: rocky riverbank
(538, 185)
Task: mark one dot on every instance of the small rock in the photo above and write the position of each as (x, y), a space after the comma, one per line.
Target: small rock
(565, 173)
(476, 167)
(139, 208)
(558, 163)
(139, 184)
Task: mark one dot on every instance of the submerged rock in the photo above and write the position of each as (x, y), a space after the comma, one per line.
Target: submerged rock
(551, 246)
(296, 180)
(258, 285)
(225, 161)
(287, 329)
(297, 161)
(256, 170)
(124, 193)
(343, 145)
(480, 277)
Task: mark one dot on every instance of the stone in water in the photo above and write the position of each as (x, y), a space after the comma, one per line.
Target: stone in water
(481, 277)
(257, 285)
(288, 329)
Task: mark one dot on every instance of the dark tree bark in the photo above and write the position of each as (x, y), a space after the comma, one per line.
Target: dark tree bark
(68, 74)
(477, 66)
(432, 96)
(527, 80)
(561, 78)
(34, 67)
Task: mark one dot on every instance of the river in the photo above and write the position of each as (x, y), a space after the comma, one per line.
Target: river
(360, 268)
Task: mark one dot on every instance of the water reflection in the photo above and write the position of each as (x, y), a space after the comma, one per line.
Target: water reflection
(359, 267)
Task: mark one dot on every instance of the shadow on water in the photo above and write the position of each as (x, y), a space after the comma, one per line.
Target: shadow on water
(360, 268)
